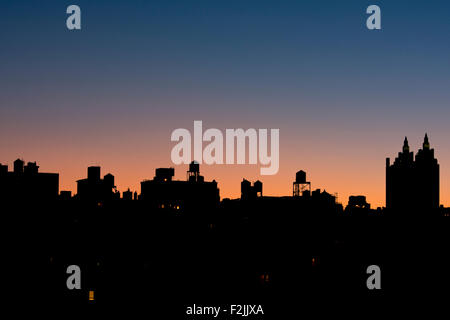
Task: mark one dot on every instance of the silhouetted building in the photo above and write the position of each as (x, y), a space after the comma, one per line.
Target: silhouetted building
(94, 173)
(300, 185)
(413, 184)
(358, 206)
(251, 192)
(427, 170)
(358, 202)
(285, 209)
(65, 195)
(165, 193)
(27, 183)
(18, 166)
(193, 174)
(3, 169)
(127, 195)
(95, 189)
(31, 168)
(323, 196)
(164, 174)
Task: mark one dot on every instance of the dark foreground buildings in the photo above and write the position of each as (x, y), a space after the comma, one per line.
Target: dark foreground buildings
(96, 189)
(304, 205)
(25, 182)
(413, 183)
(255, 248)
(250, 192)
(165, 193)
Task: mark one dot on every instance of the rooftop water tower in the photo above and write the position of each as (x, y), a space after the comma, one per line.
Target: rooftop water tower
(193, 174)
(300, 184)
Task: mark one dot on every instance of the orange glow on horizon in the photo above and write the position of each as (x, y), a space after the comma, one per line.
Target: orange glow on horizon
(356, 167)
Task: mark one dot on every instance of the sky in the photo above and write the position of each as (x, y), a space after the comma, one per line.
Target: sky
(344, 97)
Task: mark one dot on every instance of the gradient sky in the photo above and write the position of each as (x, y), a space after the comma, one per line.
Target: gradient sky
(342, 96)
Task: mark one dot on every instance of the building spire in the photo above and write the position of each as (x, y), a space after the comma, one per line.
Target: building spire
(426, 143)
(405, 146)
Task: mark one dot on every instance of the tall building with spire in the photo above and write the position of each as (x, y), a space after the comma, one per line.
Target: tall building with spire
(427, 169)
(413, 184)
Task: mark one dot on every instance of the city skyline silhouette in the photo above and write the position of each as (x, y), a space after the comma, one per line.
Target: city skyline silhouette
(179, 239)
(406, 179)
